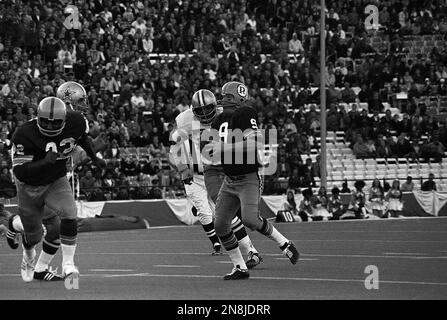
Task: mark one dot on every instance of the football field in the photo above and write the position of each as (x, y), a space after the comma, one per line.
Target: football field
(174, 263)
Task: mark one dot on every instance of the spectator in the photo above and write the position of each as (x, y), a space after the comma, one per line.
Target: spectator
(433, 149)
(345, 188)
(347, 94)
(319, 204)
(295, 45)
(408, 185)
(361, 150)
(358, 200)
(376, 198)
(336, 207)
(430, 184)
(305, 209)
(290, 204)
(394, 198)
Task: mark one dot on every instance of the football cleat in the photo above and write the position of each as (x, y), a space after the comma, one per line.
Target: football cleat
(47, 275)
(27, 269)
(291, 252)
(253, 260)
(237, 274)
(217, 250)
(11, 235)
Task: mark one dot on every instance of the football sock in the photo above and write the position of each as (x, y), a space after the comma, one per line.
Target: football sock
(242, 236)
(246, 246)
(270, 231)
(47, 254)
(29, 253)
(68, 240)
(229, 241)
(68, 252)
(236, 257)
(17, 224)
(211, 232)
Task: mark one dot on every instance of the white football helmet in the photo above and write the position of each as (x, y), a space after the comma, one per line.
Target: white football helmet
(51, 116)
(74, 95)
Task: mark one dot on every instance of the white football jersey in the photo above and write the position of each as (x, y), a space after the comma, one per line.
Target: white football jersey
(187, 136)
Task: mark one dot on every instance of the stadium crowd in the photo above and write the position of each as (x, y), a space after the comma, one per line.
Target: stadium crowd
(140, 62)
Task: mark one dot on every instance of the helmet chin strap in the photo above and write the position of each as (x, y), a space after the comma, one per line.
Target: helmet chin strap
(50, 133)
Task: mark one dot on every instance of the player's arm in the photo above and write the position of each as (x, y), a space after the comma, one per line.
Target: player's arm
(23, 165)
(177, 156)
(85, 142)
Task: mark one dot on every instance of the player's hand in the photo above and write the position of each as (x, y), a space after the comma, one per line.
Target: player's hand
(51, 157)
(186, 175)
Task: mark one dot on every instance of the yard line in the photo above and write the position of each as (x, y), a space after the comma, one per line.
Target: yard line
(111, 270)
(405, 253)
(268, 240)
(301, 259)
(174, 266)
(191, 276)
(264, 254)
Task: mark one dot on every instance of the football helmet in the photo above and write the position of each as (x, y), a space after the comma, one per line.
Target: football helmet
(234, 94)
(204, 106)
(51, 116)
(74, 95)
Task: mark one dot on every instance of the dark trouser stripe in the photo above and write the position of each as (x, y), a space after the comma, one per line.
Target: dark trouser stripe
(229, 241)
(69, 241)
(266, 228)
(50, 248)
(238, 229)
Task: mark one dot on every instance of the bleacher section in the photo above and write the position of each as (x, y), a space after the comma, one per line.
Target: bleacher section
(342, 164)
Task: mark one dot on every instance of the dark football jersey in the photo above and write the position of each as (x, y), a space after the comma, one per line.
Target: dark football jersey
(220, 124)
(31, 145)
(241, 124)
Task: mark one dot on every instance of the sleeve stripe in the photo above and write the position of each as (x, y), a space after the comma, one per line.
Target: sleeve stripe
(250, 133)
(16, 161)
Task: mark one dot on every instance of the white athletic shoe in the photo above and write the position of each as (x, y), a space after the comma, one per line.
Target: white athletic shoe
(27, 269)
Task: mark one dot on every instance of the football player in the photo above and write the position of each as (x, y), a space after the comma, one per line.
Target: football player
(75, 97)
(242, 185)
(185, 154)
(40, 151)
